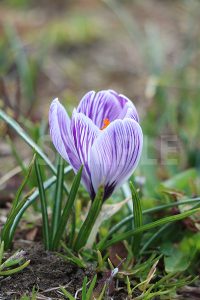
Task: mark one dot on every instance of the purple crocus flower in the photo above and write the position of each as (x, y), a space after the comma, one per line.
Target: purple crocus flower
(103, 135)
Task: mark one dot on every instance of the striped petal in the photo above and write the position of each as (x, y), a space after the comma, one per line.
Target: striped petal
(128, 109)
(115, 154)
(60, 132)
(84, 134)
(100, 106)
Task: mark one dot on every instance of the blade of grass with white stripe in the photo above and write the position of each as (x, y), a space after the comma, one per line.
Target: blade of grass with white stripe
(57, 208)
(67, 210)
(125, 235)
(137, 218)
(45, 225)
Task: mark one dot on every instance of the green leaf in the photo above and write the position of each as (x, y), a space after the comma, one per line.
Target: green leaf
(102, 292)
(45, 222)
(28, 201)
(5, 234)
(20, 131)
(151, 210)
(71, 257)
(57, 208)
(15, 270)
(84, 288)
(67, 294)
(179, 257)
(1, 251)
(137, 218)
(88, 224)
(128, 234)
(91, 288)
(67, 209)
(177, 262)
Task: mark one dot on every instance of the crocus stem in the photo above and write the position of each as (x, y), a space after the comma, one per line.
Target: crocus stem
(88, 224)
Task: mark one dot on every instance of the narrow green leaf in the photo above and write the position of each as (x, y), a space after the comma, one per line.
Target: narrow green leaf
(102, 292)
(88, 224)
(57, 208)
(67, 209)
(67, 294)
(91, 288)
(20, 131)
(75, 260)
(1, 252)
(148, 211)
(30, 200)
(73, 227)
(84, 288)
(15, 270)
(137, 218)
(45, 222)
(5, 234)
(11, 219)
(72, 257)
(128, 234)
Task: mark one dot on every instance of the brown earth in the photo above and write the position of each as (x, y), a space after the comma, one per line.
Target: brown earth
(46, 272)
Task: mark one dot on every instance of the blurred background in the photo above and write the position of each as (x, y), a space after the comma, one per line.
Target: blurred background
(147, 50)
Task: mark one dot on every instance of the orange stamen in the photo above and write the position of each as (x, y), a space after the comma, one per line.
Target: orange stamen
(106, 122)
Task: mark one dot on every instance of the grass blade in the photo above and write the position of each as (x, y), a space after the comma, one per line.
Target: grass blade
(151, 210)
(8, 234)
(91, 288)
(43, 201)
(57, 208)
(1, 252)
(15, 270)
(88, 224)
(67, 209)
(30, 200)
(84, 288)
(67, 294)
(6, 229)
(146, 227)
(137, 218)
(20, 131)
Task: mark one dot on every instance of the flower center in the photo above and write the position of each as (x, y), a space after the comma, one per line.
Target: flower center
(106, 122)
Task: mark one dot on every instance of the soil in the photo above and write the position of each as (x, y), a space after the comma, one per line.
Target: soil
(46, 272)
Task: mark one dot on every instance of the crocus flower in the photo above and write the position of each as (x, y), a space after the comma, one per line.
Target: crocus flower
(103, 135)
